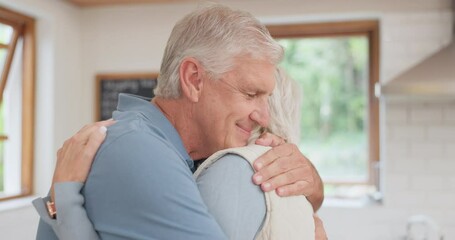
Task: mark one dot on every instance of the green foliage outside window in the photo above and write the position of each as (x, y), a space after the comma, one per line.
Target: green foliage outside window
(333, 73)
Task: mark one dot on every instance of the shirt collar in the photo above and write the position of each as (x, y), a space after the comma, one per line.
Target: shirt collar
(130, 102)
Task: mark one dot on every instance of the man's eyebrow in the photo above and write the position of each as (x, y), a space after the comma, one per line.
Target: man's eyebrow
(253, 88)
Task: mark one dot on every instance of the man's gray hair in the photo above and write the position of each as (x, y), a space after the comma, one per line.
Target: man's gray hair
(214, 35)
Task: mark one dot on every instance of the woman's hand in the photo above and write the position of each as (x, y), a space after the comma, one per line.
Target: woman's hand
(75, 157)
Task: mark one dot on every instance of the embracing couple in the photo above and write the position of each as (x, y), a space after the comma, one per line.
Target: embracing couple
(211, 156)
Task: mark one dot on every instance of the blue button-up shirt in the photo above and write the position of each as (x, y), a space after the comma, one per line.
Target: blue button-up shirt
(140, 185)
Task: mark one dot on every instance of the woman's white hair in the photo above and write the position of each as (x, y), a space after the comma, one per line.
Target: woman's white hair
(214, 35)
(284, 104)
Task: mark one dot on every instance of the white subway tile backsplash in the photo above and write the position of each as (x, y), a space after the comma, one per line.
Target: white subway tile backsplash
(397, 115)
(397, 182)
(406, 132)
(426, 113)
(407, 166)
(447, 220)
(398, 148)
(449, 150)
(421, 162)
(406, 199)
(427, 182)
(426, 149)
(449, 114)
(449, 231)
(442, 200)
(443, 167)
(451, 183)
(441, 133)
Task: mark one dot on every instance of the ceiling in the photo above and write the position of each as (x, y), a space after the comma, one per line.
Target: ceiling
(91, 3)
(94, 3)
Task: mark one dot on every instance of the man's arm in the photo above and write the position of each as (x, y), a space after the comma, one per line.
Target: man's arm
(317, 197)
(74, 160)
(140, 188)
(287, 171)
(72, 221)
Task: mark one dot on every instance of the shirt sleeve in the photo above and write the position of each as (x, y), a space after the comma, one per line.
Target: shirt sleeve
(72, 221)
(140, 188)
(45, 231)
(237, 204)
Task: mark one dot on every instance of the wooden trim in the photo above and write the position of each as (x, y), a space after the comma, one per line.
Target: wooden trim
(326, 29)
(13, 24)
(4, 45)
(374, 153)
(93, 3)
(122, 76)
(3, 137)
(28, 107)
(8, 62)
(115, 76)
(13, 18)
(10, 197)
(369, 28)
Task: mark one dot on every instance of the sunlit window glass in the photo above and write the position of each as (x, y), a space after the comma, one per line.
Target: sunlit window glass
(333, 73)
(5, 34)
(3, 53)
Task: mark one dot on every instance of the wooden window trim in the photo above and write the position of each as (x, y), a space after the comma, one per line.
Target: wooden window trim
(369, 28)
(25, 27)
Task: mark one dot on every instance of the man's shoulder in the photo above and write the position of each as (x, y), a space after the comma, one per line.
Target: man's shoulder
(137, 131)
(132, 123)
(130, 143)
(135, 147)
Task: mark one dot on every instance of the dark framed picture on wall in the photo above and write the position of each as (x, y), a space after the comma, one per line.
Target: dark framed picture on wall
(109, 86)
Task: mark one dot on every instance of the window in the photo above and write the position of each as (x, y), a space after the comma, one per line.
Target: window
(337, 66)
(16, 103)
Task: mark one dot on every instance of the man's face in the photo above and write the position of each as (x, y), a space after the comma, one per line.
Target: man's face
(237, 103)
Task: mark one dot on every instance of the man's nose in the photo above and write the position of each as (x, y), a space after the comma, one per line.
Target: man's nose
(261, 115)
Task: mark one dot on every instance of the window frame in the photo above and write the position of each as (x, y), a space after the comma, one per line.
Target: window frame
(370, 29)
(24, 27)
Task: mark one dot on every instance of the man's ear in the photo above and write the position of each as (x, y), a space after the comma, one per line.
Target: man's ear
(191, 82)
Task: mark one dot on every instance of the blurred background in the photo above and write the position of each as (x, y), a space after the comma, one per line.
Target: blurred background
(378, 112)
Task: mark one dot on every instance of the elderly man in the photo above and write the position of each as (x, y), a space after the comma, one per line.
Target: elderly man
(216, 75)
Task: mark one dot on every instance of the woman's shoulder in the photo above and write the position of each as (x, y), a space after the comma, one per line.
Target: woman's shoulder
(234, 158)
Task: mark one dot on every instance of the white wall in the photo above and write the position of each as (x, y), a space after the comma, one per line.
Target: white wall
(74, 45)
